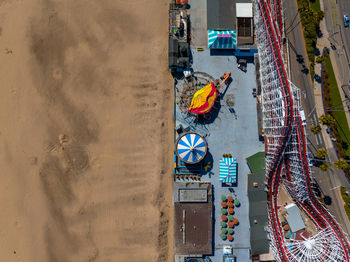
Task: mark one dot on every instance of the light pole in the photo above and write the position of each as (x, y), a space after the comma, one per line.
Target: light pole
(336, 187)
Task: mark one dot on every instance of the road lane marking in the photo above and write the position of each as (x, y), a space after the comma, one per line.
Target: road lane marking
(317, 139)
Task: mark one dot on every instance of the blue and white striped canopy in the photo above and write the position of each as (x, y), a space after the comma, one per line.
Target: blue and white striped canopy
(228, 170)
(218, 39)
(191, 148)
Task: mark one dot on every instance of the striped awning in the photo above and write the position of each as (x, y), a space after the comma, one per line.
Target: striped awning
(228, 170)
(191, 148)
(218, 39)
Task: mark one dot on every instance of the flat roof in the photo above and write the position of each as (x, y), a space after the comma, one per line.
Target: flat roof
(244, 10)
(221, 15)
(258, 216)
(294, 218)
(258, 213)
(259, 240)
(193, 195)
(193, 228)
(192, 192)
(256, 187)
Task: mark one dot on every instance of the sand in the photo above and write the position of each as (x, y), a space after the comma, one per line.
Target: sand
(86, 127)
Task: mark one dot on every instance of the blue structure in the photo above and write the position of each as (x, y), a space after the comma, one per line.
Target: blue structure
(228, 170)
(218, 39)
(191, 148)
(246, 52)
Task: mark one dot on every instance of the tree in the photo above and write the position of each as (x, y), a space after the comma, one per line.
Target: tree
(315, 129)
(341, 164)
(325, 166)
(319, 15)
(321, 153)
(319, 59)
(327, 120)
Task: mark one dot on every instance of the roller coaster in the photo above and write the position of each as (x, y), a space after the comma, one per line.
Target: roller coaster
(286, 149)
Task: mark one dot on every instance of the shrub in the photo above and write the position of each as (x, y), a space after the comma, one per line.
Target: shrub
(341, 164)
(319, 59)
(321, 153)
(327, 120)
(315, 129)
(325, 166)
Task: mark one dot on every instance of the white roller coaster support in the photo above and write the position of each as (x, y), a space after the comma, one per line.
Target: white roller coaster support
(286, 149)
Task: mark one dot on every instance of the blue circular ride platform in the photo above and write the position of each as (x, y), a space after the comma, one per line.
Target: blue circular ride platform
(191, 148)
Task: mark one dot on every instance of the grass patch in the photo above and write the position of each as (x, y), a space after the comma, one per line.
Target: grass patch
(346, 199)
(256, 163)
(333, 100)
(315, 5)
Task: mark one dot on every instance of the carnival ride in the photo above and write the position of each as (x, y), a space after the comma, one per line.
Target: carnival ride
(203, 100)
(286, 149)
(191, 148)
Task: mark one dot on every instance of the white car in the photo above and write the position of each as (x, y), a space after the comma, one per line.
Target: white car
(346, 20)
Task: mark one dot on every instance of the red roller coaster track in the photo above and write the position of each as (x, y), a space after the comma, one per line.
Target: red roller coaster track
(271, 13)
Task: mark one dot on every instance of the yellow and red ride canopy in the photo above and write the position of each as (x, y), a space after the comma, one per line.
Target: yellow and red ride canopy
(203, 100)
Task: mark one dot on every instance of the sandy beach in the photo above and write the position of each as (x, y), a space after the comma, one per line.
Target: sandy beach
(86, 132)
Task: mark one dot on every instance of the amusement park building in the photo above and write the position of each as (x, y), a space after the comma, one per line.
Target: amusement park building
(258, 216)
(230, 26)
(193, 219)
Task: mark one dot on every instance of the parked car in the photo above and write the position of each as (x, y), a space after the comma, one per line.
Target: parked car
(346, 20)
(310, 160)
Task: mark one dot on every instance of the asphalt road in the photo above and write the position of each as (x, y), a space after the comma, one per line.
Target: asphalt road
(299, 72)
(331, 180)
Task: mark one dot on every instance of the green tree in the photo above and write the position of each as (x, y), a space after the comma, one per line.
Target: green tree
(325, 166)
(341, 164)
(321, 153)
(319, 16)
(319, 59)
(327, 120)
(315, 129)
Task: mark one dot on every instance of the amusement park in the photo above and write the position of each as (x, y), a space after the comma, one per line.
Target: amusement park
(242, 181)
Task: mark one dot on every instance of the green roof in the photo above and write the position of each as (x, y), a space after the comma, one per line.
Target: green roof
(256, 163)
